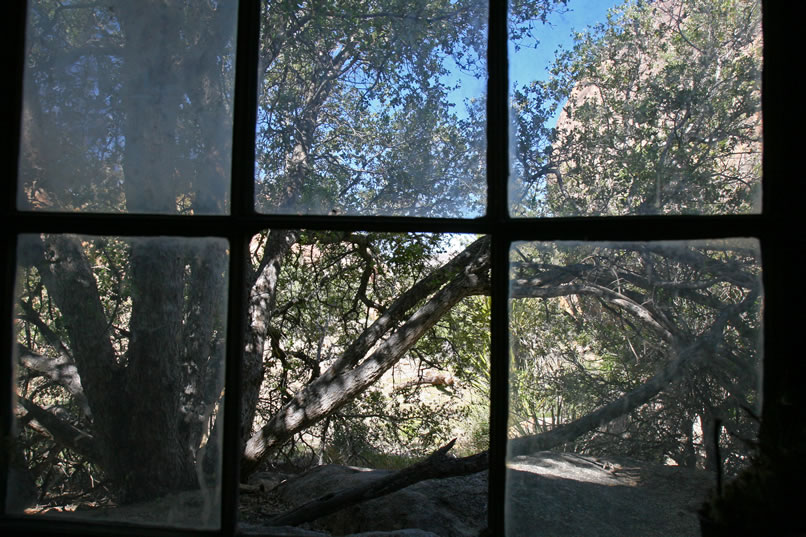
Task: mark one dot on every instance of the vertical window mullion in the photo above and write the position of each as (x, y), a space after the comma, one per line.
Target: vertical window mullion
(239, 251)
(242, 197)
(245, 110)
(11, 116)
(497, 216)
(499, 381)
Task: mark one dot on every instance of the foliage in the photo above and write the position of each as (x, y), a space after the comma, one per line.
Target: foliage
(333, 286)
(579, 349)
(660, 114)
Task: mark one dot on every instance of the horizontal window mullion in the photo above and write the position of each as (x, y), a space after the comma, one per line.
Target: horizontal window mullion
(145, 225)
(577, 228)
(646, 228)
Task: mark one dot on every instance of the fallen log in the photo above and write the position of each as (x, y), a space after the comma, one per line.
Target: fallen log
(438, 465)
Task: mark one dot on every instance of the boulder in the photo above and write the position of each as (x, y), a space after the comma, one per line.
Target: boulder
(452, 507)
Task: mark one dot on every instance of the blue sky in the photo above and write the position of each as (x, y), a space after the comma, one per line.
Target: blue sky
(531, 63)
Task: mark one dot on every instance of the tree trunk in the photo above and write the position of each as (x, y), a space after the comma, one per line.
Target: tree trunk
(64, 270)
(156, 450)
(147, 406)
(262, 294)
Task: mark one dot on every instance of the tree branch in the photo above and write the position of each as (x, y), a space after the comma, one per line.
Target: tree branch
(63, 432)
(60, 369)
(438, 465)
(332, 390)
(692, 355)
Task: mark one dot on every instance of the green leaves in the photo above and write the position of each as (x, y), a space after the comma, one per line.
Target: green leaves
(662, 115)
(357, 94)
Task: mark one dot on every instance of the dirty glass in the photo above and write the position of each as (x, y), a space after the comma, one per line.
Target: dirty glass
(634, 382)
(127, 107)
(372, 108)
(376, 351)
(633, 108)
(119, 360)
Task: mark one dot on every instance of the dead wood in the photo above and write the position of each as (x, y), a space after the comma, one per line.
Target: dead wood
(438, 465)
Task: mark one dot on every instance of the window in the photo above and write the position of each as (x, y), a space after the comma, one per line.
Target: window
(226, 200)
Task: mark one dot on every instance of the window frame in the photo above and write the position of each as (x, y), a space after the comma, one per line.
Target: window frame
(782, 255)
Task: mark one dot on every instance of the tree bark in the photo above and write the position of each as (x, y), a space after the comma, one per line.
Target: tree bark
(65, 272)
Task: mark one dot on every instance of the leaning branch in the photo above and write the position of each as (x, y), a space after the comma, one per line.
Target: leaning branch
(525, 289)
(60, 369)
(439, 465)
(330, 392)
(686, 358)
(405, 303)
(63, 432)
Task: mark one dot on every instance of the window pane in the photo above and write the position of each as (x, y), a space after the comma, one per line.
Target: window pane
(652, 108)
(366, 352)
(127, 107)
(120, 372)
(634, 382)
(372, 109)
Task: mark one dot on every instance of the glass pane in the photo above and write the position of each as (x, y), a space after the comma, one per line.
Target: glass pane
(127, 107)
(120, 372)
(365, 354)
(648, 108)
(372, 109)
(634, 382)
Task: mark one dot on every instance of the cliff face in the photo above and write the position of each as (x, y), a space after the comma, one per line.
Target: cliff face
(665, 115)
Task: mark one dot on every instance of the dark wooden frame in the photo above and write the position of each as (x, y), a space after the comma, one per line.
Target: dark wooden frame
(778, 228)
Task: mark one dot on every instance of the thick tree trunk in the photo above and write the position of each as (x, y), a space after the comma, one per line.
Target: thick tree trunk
(145, 405)
(156, 459)
(202, 364)
(157, 451)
